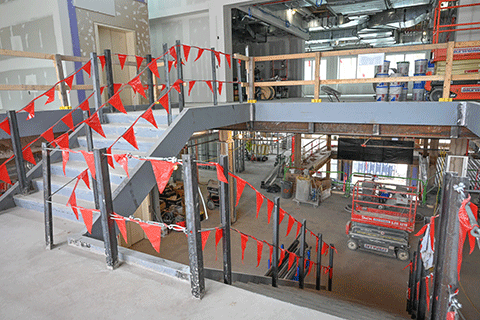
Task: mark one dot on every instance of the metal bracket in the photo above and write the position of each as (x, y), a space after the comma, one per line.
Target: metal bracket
(454, 132)
(311, 127)
(376, 129)
(462, 114)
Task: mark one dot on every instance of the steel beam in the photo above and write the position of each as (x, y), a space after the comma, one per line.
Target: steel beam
(225, 220)
(330, 268)
(301, 263)
(319, 261)
(151, 89)
(167, 82)
(214, 76)
(90, 148)
(97, 96)
(275, 255)
(47, 201)
(109, 76)
(239, 80)
(17, 151)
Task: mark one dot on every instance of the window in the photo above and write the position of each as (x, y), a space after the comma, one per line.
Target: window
(309, 67)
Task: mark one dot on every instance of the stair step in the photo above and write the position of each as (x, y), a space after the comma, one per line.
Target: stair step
(141, 130)
(74, 168)
(160, 116)
(144, 144)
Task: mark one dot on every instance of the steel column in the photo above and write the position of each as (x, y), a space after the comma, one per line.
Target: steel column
(151, 95)
(192, 210)
(410, 284)
(275, 262)
(422, 302)
(319, 261)
(109, 76)
(214, 77)
(97, 96)
(47, 201)
(225, 220)
(167, 82)
(106, 208)
(250, 65)
(239, 80)
(90, 148)
(181, 94)
(330, 268)
(17, 151)
(301, 273)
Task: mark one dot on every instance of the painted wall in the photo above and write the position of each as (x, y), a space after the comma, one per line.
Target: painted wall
(466, 15)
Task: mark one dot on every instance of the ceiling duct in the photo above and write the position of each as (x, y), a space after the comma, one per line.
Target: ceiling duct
(400, 18)
(357, 7)
(408, 3)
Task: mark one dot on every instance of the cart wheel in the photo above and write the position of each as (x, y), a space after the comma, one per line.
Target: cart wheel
(264, 158)
(403, 255)
(210, 205)
(436, 94)
(352, 244)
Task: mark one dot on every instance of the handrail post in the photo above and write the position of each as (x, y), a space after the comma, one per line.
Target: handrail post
(47, 201)
(225, 220)
(192, 210)
(167, 82)
(106, 208)
(214, 77)
(151, 89)
(275, 262)
(411, 283)
(330, 268)
(316, 90)
(181, 94)
(90, 148)
(301, 273)
(97, 96)
(109, 76)
(239, 80)
(319, 261)
(448, 70)
(60, 76)
(250, 66)
(17, 151)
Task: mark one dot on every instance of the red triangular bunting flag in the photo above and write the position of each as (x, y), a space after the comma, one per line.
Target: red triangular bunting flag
(94, 123)
(87, 216)
(291, 259)
(110, 157)
(162, 171)
(148, 115)
(281, 215)
(69, 81)
(164, 102)
(199, 54)
(62, 141)
(186, 51)
(116, 87)
(162, 86)
(5, 126)
(50, 94)
(122, 160)
(259, 252)
(421, 231)
(209, 83)
(177, 85)
(154, 68)
(282, 255)
(244, 239)
(4, 174)
(137, 86)
(299, 226)
(240, 186)
(228, 57)
(102, 61)
(291, 221)
(218, 236)
(90, 162)
(28, 155)
(48, 135)
(334, 249)
(139, 61)
(172, 52)
(260, 198)
(220, 173)
(116, 102)
(72, 202)
(270, 206)
(324, 249)
(84, 176)
(30, 108)
(122, 58)
(153, 233)
(68, 120)
(85, 106)
(129, 136)
(65, 157)
(205, 235)
(190, 86)
(170, 64)
(220, 85)
(121, 225)
(271, 250)
(217, 55)
(310, 264)
(86, 67)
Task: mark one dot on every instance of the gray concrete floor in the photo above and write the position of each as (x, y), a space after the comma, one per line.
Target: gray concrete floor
(67, 283)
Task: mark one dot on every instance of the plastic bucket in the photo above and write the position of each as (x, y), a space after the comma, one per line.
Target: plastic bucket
(418, 94)
(382, 68)
(381, 88)
(421, 66)
(431, 67)
(404, 95)
(403, 67)
(287, 188)
(395, 92)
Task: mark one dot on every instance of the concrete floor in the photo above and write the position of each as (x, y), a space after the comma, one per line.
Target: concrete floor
(359, 275)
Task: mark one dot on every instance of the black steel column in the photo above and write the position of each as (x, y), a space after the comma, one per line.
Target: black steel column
(225, 220)
(414, 303)
(330, 268)
(301, 272)
(106, 208)
(167, 82)
(97, 96)
(109, 75)
(181, 95)
(151, 96)
(410, 284)
(192, 210)
(17, 151)
(90, 148)
(47, 191)
(447, 245)
(421, 304)
(319, 261)
(214, 77)
(239, 79)
(275, 262)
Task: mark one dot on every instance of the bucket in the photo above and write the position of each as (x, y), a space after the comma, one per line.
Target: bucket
(421, 66)
(404, 95)
(431, 67)
(395, 92)
(402, 67)
(381, 88)
(382, 68)
(418, 92)
(287, 188)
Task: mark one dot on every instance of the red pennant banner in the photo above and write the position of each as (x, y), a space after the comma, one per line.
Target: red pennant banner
(270, 206)
(324, 249)
(30, 109)
(281, 215)
(121, 225)
(173, 53)
(28, 155)
(63, 141)
(129, 136)
(282, 255)
(291, 221)
(116, 102)
(116, 87)
(154, 68)
(422, 230)
(220, 173)
(84, 176)
(48, 135)
(190, 86)
(432, 232)
(148, 115)
(65, 158)
(102, 61)
(244, 240)
(260, 198)
(122, 160)
(122, 58)
(259, 252)
(69, 81)
(205, 235)
(137, 86)
(186, 51)
(240, 186)
(85, 106)
(154, 234)
(209, 83)
(162, 86)
(177, 85)
(427, 289)
(334, 249)
(170, 64)
(164, 102)
(291, 259)
(139, 61)
(94, 123)
(90, 162)
(199, 54)
(87, 216)
(464, 230)
(220, 85)
(229, 60)
(218, 236)
(50, 94)
(68, 120)
(87, 68)
(162, 171)
(72, 202)
(217, 55)
(270, 247)
(5, 126)
(451, 315)
(110, 157)
(4, 176)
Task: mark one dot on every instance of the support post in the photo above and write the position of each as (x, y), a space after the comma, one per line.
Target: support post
(167, 82)
(448, 70)
(414, 303)
(316, 91)
(60, 76)
(151, 89)
(422, 294)
(109, 75)
(297, 153)
(275, 262)
(319, 261)
(214, 77)
(250, 66)
(447, 246)
(106, 208)
(329, 148)
(90, 148)
(411, 284)
(97, 96)
(47, 191)
(181, 95)
(239, 80)
(225, 220)
(330, 268)
(301, 267)
(192, 208)
(17, 151)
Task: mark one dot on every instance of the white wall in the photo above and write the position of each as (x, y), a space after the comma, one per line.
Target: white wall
(466, 15)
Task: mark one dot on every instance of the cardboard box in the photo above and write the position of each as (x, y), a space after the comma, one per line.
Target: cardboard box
(323, 184)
